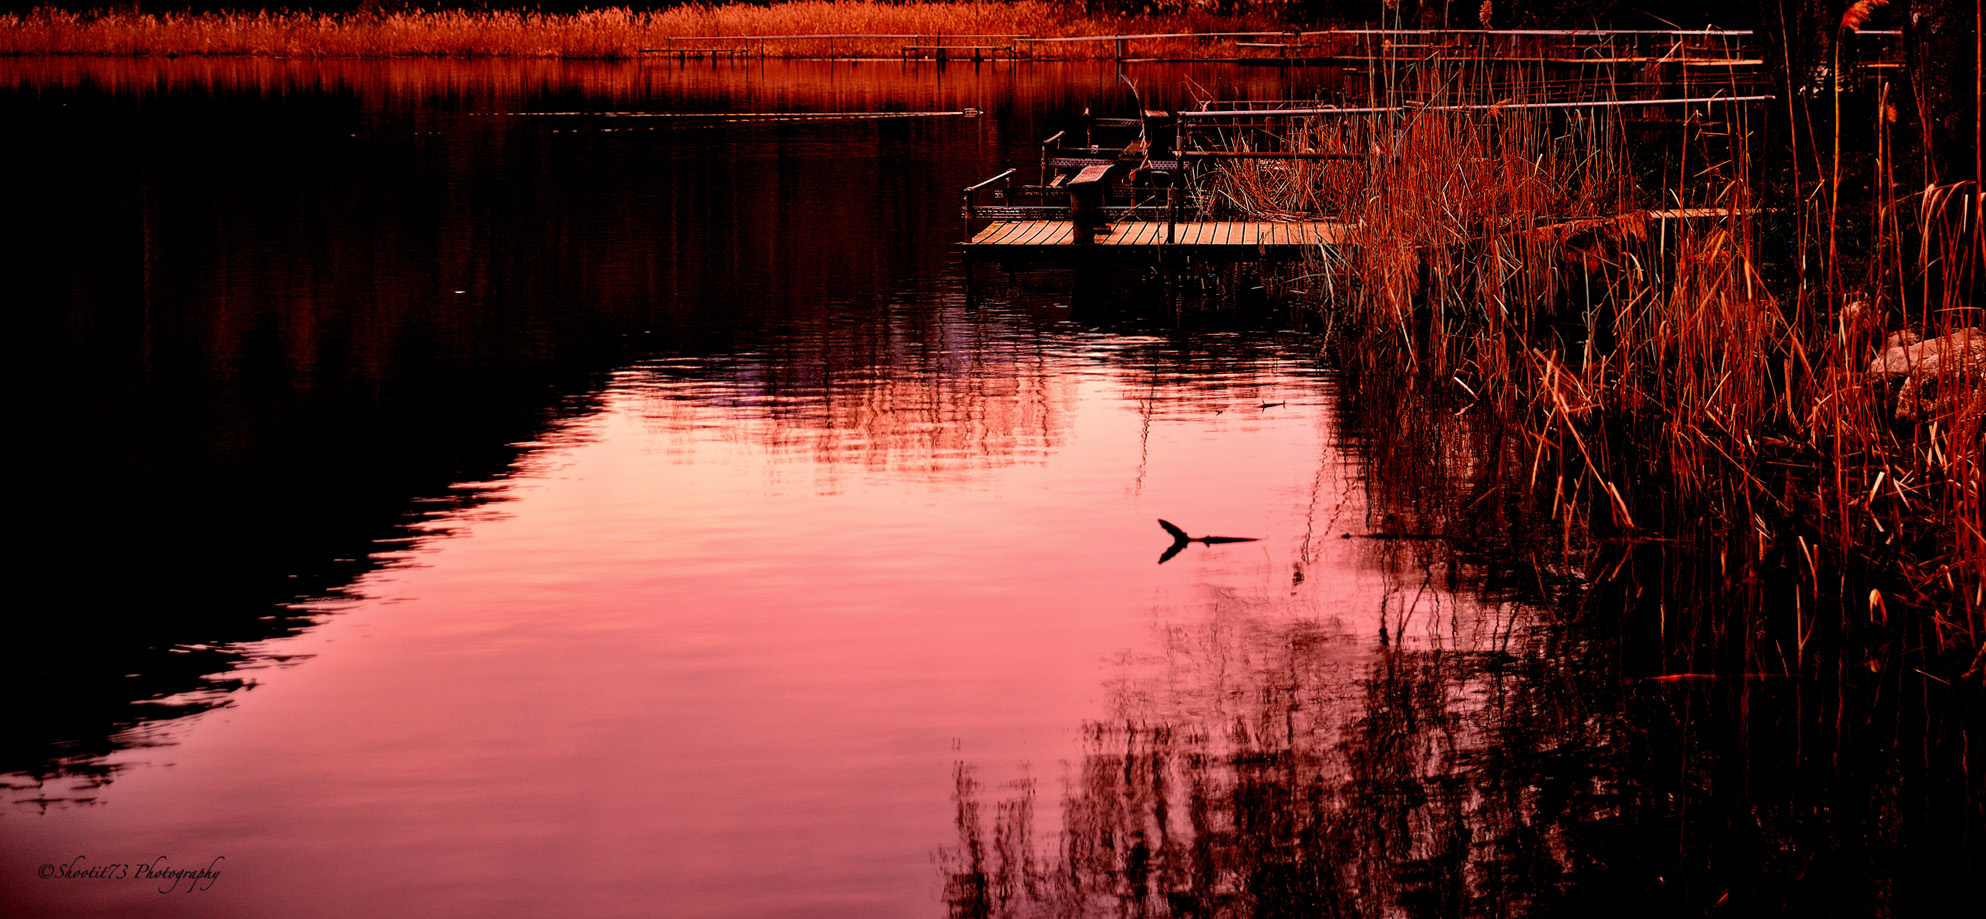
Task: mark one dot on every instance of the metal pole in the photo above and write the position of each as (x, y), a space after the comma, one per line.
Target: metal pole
(1172, 210)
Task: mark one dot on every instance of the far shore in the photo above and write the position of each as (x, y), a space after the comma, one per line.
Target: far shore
(806, 29)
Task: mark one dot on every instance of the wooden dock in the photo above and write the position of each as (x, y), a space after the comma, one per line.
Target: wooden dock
(1238, 236)
(1153, 197)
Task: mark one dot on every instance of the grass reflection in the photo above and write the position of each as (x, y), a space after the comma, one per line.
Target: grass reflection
(1511, 740)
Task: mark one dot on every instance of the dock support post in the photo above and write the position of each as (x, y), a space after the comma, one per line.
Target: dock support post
(1120, 50)
(1171, 212)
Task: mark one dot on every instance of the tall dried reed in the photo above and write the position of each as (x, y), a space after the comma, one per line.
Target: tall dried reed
(1607, 303)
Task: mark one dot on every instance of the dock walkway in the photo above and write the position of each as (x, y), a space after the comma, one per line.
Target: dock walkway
(1031, 236)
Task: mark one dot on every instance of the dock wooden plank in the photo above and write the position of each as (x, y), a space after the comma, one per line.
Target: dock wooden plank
(1152, 234)
(1011, 234)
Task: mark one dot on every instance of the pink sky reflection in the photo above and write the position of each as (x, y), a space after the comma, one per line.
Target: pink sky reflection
(703, 665)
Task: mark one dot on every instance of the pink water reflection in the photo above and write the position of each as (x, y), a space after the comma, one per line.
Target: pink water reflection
(712, 660)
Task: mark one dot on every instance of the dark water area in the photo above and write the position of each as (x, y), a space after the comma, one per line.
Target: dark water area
(284, 301)
(461, 492)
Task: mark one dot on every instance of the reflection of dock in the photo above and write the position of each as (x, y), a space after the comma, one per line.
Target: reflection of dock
(1258, 236)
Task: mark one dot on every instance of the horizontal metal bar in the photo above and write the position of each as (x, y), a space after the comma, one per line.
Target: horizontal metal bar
(1539, 32)
(1386, 32)
(875, 35)
(1052, 212)
(990, 181)
(1067, 38)
(1159, 35)
(1269, 155)
(1301, 112)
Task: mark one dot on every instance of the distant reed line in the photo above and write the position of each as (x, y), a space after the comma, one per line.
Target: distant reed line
(810, 28)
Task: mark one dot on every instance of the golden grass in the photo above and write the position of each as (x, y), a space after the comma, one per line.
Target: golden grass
(599, 34)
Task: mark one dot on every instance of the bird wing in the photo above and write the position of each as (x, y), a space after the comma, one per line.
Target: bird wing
(1176, 532)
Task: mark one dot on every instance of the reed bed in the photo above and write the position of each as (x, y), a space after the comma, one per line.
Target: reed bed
(1821, 470)
(611, 33)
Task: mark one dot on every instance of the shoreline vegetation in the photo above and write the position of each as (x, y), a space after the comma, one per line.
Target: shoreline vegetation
(606, 34)
(1764, 421)
(1778, 408)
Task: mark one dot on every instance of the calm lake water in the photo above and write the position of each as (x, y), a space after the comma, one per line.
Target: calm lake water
(452, 491)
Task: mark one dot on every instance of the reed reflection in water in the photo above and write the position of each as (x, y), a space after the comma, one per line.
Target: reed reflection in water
(1506, 743)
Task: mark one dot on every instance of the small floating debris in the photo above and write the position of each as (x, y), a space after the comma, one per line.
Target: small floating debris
(1180, 540)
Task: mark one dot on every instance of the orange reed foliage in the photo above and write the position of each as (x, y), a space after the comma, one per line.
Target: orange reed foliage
(1656, 385)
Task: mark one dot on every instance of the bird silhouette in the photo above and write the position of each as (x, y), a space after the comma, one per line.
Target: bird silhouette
(1180, 540)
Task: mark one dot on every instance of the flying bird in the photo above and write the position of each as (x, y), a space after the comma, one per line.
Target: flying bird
(1180, 540)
